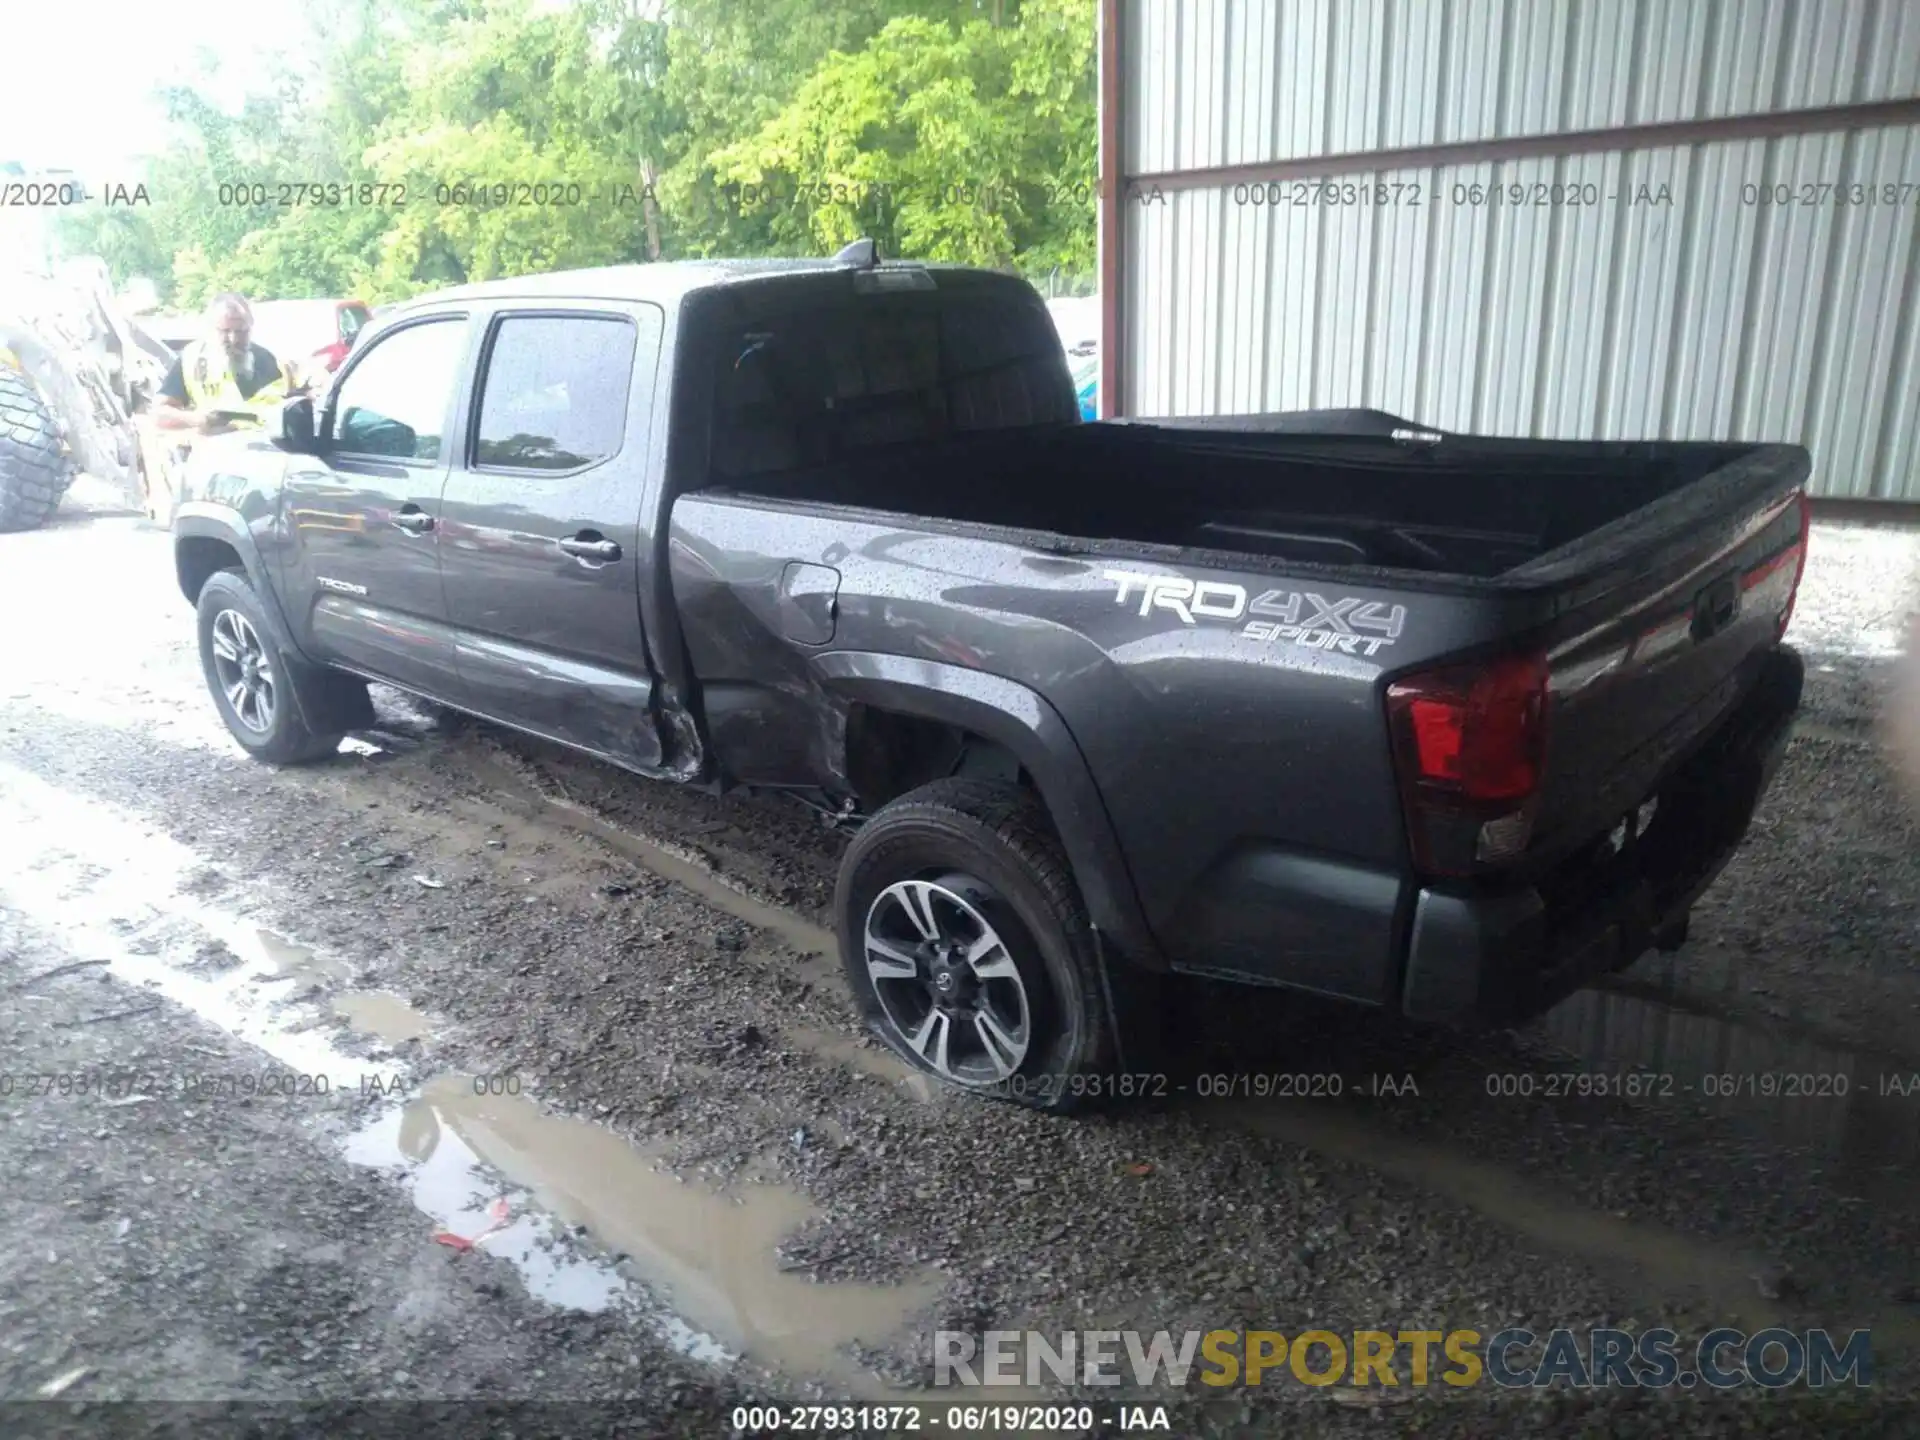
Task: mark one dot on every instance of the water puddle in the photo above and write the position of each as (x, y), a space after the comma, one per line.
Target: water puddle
(798, 933)
(295, 961)
(449, 1181)
(1854, 1114)
(384, 1016)
(1612, 1244)
(702, 1264)
(709, 1255)
(110, 889)
(379, 744)
(1855, 1110)
(862, 1059)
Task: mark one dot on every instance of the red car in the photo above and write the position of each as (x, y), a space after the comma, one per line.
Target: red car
(309, 337)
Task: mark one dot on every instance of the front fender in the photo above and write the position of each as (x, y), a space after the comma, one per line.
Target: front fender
(202, 520)
(1012, 715)
(324, 707)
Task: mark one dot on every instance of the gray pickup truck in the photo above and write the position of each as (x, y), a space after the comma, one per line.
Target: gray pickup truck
(1436, 723)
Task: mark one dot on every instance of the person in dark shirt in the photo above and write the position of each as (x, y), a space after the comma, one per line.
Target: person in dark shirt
(221, 376)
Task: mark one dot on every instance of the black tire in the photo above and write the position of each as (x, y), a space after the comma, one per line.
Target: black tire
(33, 468)
(278, 733)
(992, 846)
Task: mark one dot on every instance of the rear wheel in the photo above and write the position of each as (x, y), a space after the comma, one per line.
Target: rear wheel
(252, 679)
(33, 467)
(967, 945)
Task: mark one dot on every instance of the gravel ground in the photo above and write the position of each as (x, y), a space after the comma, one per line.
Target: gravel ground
(602, 1017)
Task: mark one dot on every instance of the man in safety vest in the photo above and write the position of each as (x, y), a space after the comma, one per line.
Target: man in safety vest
(223, 381)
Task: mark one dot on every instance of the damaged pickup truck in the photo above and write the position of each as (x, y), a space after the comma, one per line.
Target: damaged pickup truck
(1435, 723)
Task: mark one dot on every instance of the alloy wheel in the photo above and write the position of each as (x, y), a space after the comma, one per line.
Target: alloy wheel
(244, 671)
(947, 982)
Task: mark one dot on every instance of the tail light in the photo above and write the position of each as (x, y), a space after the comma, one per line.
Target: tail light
(1778, 578)
(1470, 744)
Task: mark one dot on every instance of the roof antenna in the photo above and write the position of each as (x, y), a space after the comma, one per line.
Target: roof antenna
(862, 253)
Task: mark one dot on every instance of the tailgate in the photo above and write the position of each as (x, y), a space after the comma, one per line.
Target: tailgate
(1646, 669)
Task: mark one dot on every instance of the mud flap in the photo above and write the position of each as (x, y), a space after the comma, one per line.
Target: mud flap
(1135, 1010)
(327, 704)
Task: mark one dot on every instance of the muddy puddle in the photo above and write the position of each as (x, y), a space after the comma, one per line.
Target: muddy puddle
(587, 1220)
(709, 1257)
(1676, 1037)
(1854, 1112)
(515, 793)
(502, 1175)
(869, 1060)
(113, 891)
(381, 1015)
(1724, 1279)
(293, 960)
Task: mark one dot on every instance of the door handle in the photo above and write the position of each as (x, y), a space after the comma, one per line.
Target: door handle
(414, 520)
(588, 546)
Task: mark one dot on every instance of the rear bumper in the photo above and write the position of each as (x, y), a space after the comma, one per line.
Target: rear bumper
(1491, 959)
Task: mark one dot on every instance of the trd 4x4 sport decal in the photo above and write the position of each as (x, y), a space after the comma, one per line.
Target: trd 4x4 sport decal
(1346, 624)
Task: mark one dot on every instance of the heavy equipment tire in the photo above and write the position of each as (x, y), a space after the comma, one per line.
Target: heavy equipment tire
(968, 948)
(33, 467)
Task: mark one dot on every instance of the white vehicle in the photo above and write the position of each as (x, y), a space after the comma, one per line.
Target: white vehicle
(1077, 318)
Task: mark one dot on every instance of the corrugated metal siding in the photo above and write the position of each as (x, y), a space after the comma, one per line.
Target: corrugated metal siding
(1710, 315)
(1228, 82)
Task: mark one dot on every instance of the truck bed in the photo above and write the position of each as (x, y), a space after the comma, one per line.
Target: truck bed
(1652, 579)
(1466, 506)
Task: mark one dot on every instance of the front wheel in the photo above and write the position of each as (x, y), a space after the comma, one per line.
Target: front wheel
(251, 678)
(967, 945)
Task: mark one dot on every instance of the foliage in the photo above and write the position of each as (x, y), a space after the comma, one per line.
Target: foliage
(532, 135)
(951, 142)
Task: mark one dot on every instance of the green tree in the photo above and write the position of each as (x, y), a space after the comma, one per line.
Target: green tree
(960, 129)
(960, 141)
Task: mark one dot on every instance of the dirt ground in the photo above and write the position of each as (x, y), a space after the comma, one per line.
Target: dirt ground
(461, 1072)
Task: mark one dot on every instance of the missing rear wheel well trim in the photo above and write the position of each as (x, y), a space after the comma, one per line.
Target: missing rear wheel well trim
(889, 753)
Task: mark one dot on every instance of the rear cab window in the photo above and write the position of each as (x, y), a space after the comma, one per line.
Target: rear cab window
(869, 371)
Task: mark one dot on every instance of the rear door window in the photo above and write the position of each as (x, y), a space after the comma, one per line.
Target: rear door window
(555, 393)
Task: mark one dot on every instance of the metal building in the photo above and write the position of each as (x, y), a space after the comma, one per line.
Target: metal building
(1578, 218)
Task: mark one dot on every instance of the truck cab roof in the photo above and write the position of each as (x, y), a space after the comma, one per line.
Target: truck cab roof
(668, 282)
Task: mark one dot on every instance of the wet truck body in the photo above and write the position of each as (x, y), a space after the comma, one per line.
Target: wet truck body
(1436, 723)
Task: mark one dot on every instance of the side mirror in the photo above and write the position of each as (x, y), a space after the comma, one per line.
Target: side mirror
(291, 426)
